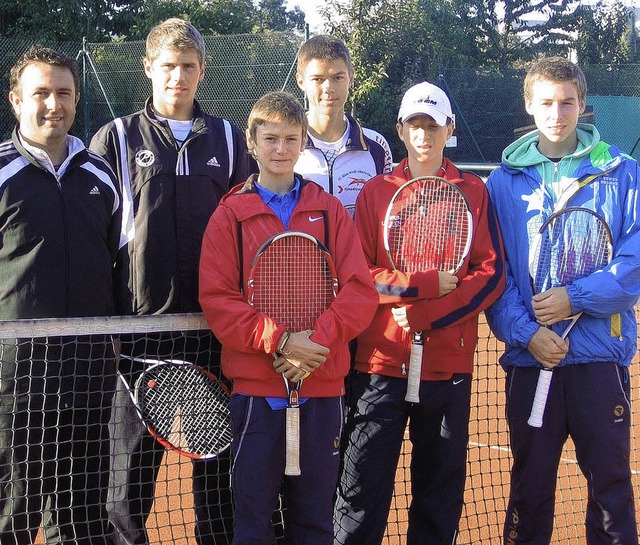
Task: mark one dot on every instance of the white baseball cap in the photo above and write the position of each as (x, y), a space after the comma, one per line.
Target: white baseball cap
(425, 98)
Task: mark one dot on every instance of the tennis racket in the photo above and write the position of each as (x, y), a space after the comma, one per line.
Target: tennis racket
(185, 407)
(293, 280)
(571, 244)
(428, 225)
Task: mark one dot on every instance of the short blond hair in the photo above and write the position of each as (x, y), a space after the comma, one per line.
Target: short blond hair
(277, 107)
(174, 33)
(556, 69)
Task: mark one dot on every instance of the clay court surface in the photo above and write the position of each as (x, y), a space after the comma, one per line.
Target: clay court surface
(487, 482)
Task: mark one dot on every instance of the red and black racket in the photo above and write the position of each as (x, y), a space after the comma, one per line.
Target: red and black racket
(293, 280)
(572, 243)
(185, 407)
(428, 225)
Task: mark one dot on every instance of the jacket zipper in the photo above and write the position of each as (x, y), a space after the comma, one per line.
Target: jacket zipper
(66, 242)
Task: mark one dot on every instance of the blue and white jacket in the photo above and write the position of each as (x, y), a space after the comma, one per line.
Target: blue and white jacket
(604, 180)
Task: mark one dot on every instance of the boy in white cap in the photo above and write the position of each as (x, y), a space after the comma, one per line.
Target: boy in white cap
(446, 308)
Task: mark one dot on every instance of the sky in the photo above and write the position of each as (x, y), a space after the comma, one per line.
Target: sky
(310, 9)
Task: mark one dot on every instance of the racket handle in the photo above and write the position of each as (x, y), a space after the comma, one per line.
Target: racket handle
(292, 441)
(570, 326)
(415, 369)
(540, 398)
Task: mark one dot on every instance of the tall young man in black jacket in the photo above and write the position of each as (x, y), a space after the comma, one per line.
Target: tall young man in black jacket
(174, 163)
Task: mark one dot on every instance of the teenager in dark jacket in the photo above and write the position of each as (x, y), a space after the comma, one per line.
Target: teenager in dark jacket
(174, 163)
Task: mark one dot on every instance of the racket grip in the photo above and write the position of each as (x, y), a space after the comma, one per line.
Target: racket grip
(540, 398)
(292, 441)
(570, 326)
(415, 369)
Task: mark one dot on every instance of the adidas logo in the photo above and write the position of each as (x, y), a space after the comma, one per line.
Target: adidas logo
(94, 191)
(213, 162)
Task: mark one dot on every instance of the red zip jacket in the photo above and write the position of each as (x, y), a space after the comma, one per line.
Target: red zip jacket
(249, 338)
(450, 322)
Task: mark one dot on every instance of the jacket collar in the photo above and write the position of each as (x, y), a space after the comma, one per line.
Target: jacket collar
(40, 159)
(198, 116)
(355, 140)
(448, 171)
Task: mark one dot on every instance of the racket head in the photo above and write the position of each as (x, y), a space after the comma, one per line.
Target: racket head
(428, 225)
(293, 280)
(571, 244)
(185, 407)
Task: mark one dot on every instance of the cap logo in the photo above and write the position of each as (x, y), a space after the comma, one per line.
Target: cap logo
(428, 100)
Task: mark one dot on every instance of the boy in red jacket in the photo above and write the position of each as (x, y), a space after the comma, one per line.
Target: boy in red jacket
(266, 204)
(446, 308)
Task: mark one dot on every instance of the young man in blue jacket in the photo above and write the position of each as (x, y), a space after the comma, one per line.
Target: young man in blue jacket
(564, 163)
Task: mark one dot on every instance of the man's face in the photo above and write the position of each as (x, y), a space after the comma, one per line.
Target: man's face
(45, 104)
(174, 76)
(555, 108)
(424, 138)
(326, 85)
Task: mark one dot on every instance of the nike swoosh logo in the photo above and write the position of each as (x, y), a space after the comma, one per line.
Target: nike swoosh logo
(312, 219)
(455, 382)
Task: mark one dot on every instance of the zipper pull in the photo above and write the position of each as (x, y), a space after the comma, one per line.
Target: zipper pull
(403, 369)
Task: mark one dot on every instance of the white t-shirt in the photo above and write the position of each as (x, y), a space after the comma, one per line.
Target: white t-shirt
(179, 129)
(331, 150)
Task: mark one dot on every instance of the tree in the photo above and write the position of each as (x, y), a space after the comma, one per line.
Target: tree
(66, 20)
(208, 16)
(507, 32)
(604, 33)
(273, 15)
(105, 20)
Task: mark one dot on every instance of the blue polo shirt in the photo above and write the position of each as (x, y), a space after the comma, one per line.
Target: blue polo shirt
(282, 206)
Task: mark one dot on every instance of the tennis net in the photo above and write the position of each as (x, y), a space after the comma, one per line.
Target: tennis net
(39, 370)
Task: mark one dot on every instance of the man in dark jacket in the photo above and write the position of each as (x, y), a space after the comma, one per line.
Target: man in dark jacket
(174, 163)
(59, 237)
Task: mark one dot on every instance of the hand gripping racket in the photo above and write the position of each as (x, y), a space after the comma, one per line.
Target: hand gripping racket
(185, 407)
(292, 280)
(428, 225)
(571, 244)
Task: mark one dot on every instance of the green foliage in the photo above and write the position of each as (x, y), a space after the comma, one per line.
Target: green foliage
(396, 43)
(272, 15)
(604, 34)
(66, 20)
(106, 20)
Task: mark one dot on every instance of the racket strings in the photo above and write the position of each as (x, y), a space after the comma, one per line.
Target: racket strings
(430, 228)
(292, 283)
(576, 244)
(198, 420)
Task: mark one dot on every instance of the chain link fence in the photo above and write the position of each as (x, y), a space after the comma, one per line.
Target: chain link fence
(240, 69)
(490, 112)
(488, 104)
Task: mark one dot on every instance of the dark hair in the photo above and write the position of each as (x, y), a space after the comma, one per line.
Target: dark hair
(557, 69)
(323, 47)
(45, 55)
